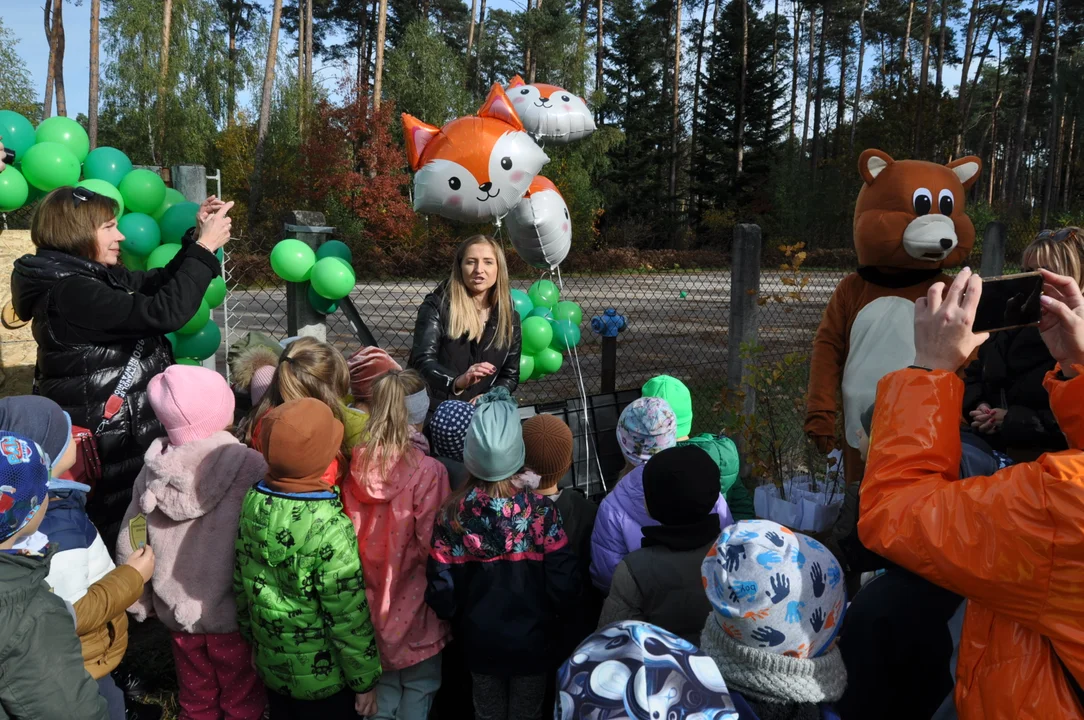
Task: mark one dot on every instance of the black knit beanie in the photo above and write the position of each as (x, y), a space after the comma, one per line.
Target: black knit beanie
(681, 485)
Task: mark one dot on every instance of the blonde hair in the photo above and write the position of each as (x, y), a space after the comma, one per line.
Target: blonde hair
(58, 224)
(463, 316)
(307, 368)
(1049, 252)
(388, 429)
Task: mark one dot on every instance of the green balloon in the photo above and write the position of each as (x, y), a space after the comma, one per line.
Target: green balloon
(173, 197)
(107, 163)
(201, 344)
(544, 294)
(548, 360)
(568, 310)
(177, 220)
(522, 304)
(143, 191)
(67, 132)
(216, 293)
(17, 132)
(197, 321)
(189, 361)
(103, 188)
(332, 278)
(131, 261)
(542, 312)
(537, 334)
(161, 256)
(49, 165)
(565, 335)
(321, 304)
(292, 260)
(335, 248)
(526, 367)
(13, 190)
(538, 373)
(141, 234)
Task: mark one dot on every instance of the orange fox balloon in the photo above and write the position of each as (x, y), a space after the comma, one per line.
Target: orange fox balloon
(475, 168)
(550, 113)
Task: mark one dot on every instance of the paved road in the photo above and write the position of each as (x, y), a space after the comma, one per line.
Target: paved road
(687, 337)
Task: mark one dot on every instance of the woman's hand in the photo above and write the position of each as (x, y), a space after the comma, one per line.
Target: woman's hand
(474, 373)
(1062, 323)
(943, 336)
(214, 232)
(365, 703)
(207, 208)
(2, 163)
(988, 422)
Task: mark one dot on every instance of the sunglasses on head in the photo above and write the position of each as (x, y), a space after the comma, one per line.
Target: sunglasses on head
(81, 195)
(1058, 235)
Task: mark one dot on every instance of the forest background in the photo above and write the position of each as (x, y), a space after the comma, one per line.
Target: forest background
(710, 112)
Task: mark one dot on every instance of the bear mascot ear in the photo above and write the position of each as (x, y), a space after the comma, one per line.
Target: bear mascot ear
(871, 162)
(967, 169)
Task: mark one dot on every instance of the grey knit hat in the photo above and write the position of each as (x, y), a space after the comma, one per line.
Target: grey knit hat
(494, 449)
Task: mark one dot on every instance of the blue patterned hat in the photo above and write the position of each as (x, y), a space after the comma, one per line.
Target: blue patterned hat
(24, 476)
(448, 428)
(633, 670)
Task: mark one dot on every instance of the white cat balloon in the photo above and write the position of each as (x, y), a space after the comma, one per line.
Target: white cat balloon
(539, 227)
(550, 113)
(475, 168)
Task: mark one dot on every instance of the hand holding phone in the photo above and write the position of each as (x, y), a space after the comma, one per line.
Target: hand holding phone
(1009, 301)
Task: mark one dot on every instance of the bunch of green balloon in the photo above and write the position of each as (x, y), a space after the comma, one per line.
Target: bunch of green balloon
(328, 278)
(548, 328)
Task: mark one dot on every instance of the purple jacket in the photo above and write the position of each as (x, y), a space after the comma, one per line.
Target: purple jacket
(618, 527)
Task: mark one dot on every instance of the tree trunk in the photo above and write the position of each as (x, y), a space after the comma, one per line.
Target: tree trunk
(58, 60)
(308, 50)
(470, 32)
(163, 76)
(941, 38)
(923, 80)
(817, 140)
(265, 112)
(858, 80)
(1052, 132)
(370, 40)
(50, 73)
(532, 66)
(775, 47)
(696, 87)
(841, 100)
(1022, 125)
(599, 47)
(993, 129)
(809, 73)
(675, 117)
(743, 75)
(969, 48)
(1068, 165)
(231, 71)
(965, 105)
(794, 74)
(481, 34)
(581, 51)
(92, 100)
(905, 53)
(381, 30)
(301, 74)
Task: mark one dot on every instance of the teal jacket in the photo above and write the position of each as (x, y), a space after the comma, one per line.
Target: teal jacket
(725, 454)
(301, 596)
(42, 676)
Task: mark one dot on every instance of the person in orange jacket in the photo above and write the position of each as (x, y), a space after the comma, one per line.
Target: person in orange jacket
(1011, 543)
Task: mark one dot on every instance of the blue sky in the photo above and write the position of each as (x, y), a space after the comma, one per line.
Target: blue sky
(25, 19)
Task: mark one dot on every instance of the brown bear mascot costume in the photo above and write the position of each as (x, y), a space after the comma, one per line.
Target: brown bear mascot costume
(909, 223)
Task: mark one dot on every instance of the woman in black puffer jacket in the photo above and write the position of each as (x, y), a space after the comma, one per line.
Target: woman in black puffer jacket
(91, 316)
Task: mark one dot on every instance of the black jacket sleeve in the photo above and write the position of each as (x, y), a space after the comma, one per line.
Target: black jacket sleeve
(149, 282)
(428, 333)
(508, 372)
(96, 312)
(1028, 428)
(973, 386)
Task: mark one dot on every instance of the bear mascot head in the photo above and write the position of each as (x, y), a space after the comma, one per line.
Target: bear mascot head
(910, 213)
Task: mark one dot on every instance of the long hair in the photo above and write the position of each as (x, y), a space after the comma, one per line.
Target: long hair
(1050, 252)
(449, 511)
(464, 318)
(307, 368)
(388, 429)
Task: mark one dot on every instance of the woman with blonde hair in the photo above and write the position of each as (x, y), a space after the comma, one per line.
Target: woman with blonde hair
(392, 498)
(467, 335)
(1004, 398)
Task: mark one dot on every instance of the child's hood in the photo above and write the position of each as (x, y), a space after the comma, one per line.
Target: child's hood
(369, 485)
(277, 526)
(188, 481)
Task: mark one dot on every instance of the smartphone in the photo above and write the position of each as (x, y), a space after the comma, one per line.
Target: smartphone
(1009, 301)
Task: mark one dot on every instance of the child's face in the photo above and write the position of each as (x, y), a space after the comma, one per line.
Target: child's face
(66, 461)
(863, 444)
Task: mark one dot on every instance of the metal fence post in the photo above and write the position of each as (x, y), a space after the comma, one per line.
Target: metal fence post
(191, 181)
(301, 319)
(993, 250)
(744, 310)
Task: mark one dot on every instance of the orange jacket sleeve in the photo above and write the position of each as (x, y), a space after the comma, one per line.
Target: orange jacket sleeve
(1067, 403)
(990, 539)
(826, 365)
(107, 598)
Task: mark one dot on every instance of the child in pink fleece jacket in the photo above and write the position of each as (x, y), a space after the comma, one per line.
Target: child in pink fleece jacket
(392, 497)
(191, 489)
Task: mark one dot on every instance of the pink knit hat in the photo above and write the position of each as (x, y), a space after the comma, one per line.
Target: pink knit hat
(191, 402)
(366, 365)
(261, 380)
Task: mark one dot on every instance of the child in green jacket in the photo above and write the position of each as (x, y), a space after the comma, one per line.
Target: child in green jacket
(721, 448)
(300, 592)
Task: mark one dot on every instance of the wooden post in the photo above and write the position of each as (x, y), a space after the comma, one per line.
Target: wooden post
(609, 364)
(744, 310)
(301, 319)
(993, 250)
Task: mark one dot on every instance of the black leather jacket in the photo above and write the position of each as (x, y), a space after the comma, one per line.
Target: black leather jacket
(83, 350)
(441, 359)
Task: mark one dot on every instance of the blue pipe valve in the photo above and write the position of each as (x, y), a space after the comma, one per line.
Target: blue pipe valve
(609, 324)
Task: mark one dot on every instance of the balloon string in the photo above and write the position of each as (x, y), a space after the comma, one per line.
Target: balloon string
(587, 428)
(560, 282)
